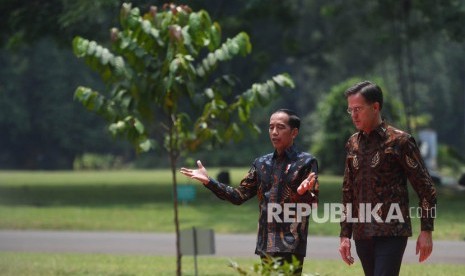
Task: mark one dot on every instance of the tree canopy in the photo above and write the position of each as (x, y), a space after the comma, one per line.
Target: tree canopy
(415, 47)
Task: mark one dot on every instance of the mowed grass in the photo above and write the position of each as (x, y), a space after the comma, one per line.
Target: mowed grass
(35, 264)
(116, 200)
(143, 201)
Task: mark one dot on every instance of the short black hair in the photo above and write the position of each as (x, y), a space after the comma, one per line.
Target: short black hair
(369, 90)
(294, 120)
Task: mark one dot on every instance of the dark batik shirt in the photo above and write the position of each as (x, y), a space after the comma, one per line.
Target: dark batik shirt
(275, 180)
(377, 167)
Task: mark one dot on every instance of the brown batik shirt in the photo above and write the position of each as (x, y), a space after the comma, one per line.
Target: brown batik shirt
(275, 180)
(377, 167)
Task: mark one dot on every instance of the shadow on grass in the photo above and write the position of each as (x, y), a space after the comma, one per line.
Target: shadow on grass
(79, 195)
(116, 194)
(134, 195)
(130, 195)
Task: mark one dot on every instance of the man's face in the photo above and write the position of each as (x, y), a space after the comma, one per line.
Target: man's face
(281, 134)
(364, 115)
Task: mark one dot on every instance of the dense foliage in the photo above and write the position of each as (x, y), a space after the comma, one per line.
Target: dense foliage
(414, 46)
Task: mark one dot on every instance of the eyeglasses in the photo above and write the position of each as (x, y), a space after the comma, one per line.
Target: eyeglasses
(356, 110)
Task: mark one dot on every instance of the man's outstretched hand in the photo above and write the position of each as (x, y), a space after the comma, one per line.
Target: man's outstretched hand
(199, 174)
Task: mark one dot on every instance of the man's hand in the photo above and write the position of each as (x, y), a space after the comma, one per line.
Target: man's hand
(424, 245)
(344, 249)
(200, 174)
(308, 184)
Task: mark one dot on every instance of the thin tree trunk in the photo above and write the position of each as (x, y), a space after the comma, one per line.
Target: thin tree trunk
(176, 219)
(174, 154)
(401, 31)
(410, 67)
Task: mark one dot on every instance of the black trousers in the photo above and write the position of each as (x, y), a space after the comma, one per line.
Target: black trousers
(381, 256)
(285, 257)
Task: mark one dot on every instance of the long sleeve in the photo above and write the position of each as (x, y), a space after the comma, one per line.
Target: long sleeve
(421, 182)
(347, 198)
(246, 190)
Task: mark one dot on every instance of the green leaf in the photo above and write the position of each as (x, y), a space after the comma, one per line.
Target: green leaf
(92, 100)
(80, 46)
(211, 59)
(146, 145)
(284, 80)
(200, 28)
(188, 41)
(117, 128)
(243, 41)
(139, 126)
(133, 18)
(91, 48)
(243, 115)
(215, 36)
(210, 93)
(119, 65)
(106, 56)
(174, 65)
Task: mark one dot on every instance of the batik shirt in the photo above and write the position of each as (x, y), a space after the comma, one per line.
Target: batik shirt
(375, 192)
(274, 179)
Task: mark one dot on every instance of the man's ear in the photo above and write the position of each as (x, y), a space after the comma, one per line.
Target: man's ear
(295, 132)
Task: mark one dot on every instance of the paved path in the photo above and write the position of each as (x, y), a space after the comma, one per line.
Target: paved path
(234, 245)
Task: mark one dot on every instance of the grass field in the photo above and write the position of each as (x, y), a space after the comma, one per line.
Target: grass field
(142, 201)
(34, 264)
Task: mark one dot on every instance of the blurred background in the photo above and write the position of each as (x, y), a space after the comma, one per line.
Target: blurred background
(414, 49)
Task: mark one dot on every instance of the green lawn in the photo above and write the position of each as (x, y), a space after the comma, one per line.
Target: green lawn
(35, 264)
(142, 201)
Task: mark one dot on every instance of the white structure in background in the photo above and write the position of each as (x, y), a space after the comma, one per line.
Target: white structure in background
(429, 151)
(429, 148)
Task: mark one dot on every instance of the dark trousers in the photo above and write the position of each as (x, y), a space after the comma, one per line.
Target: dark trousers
(284, 257)
(381, 256)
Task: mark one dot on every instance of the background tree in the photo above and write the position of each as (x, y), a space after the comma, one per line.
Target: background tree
(41, 128)
(320, 43)
(26, 22)
(161, 85)
(392, 39)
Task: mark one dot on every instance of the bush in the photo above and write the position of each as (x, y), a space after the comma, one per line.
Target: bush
(91, 161)
(270, 267)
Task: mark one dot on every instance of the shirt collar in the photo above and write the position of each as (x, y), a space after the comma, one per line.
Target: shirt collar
(379, 131)
(289, 153)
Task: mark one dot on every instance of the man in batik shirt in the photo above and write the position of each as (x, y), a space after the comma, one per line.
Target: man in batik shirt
(286, 177)
(380, 159)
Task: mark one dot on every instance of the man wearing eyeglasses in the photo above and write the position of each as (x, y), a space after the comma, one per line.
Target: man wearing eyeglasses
(379, 160)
